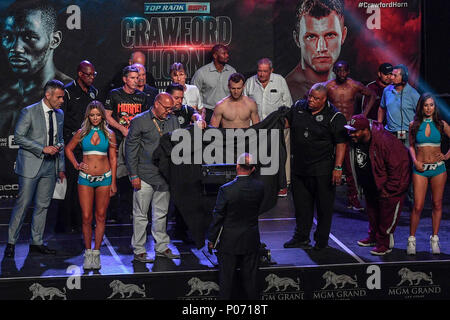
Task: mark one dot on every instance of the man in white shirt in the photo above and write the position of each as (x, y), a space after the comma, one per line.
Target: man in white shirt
(270, 91)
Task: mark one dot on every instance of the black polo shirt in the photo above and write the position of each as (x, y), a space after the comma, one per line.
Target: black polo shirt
(314, 137)
(151, 93)
(74, 107)
(184, 115)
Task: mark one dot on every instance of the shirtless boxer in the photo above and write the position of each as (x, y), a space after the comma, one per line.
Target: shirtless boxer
(342, 91)
(236, 110)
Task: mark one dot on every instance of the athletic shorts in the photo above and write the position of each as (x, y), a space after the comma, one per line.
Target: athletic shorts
(95, 181)
(431, 169)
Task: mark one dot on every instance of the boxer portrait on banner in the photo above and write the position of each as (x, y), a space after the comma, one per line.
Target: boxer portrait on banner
(319, 33)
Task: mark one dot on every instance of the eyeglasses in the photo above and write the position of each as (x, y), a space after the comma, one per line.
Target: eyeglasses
(93, 75)
(165, 107)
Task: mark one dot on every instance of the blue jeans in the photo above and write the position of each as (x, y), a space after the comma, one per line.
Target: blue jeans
(41, 189)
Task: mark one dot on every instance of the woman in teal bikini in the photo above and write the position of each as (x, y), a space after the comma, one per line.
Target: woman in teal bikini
(425, 134)
(97, 177)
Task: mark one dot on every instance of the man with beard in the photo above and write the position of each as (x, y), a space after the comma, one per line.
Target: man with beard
(382, 166)
(319, 33)
(212, 79)
(342, 93)
(377, 86)
(236, 110)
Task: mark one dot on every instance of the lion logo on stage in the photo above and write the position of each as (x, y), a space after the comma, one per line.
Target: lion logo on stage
(273, 281)
(119, 287)
(40, 291)
(410, 276)
(335, 279)
(202, 286)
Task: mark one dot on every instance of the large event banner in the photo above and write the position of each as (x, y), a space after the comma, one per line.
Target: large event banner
(302, 38)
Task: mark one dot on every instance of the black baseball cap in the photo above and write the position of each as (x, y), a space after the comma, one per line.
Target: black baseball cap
(385, 68)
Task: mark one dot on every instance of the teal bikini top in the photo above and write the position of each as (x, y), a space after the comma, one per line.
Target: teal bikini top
(434, 140)
(99, 149)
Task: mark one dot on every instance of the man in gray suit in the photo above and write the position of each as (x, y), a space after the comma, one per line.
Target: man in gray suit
(149, 186)
(40, 161)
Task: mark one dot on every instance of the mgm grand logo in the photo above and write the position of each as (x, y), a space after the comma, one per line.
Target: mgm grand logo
(414, 284)
(339, 287)
(201, 290)
(282, 288)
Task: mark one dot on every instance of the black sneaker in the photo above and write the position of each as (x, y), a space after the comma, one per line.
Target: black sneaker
(295, 243)
(318, 247)
(9, 251)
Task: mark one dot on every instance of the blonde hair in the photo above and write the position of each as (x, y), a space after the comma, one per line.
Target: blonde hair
(86, 126)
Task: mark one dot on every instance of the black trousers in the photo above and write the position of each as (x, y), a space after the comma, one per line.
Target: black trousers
(248, 264)
(209, 113)
(309, 193)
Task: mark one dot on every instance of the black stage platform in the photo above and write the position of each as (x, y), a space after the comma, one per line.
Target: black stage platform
(343, 271)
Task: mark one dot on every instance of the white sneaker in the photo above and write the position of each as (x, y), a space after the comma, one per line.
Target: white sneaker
(391, 240)
(411, 249)
(434, 243)
(87, 259)
(96, 259)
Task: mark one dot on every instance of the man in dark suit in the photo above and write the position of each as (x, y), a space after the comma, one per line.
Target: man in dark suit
(40, 160)
(235, 226)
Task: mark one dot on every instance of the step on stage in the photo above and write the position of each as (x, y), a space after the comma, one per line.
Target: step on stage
(342, 271)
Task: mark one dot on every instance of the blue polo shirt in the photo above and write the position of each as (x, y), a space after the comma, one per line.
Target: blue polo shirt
(400, 107)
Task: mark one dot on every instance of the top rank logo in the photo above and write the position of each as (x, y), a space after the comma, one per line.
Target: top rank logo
(176, 7)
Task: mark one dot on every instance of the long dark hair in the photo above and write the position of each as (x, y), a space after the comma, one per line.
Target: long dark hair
(418, 118)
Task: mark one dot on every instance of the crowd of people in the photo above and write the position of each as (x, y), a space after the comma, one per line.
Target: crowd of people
(109, 145)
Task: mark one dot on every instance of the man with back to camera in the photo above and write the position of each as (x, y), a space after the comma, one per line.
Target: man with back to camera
(342, 93)
(212, 79)
(236, 110)
(78, 94)
(40, 161)
(319, 33)
(235, 227)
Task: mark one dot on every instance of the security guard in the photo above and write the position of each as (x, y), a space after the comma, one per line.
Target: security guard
(318, 141)
(78, 94)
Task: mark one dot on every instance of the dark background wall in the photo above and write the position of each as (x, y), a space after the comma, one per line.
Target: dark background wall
(435, 66)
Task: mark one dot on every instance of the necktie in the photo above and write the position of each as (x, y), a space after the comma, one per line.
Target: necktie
(50, 128)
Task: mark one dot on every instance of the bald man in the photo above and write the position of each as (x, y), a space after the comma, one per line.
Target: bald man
(149, 186)
(78, 94)
(135, 57)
